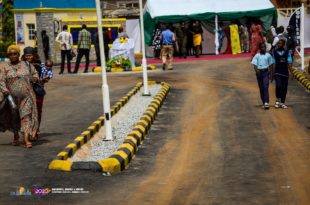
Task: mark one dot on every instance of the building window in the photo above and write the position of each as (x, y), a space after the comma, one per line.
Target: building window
(127, 4)
(31, 31)
(104, 5)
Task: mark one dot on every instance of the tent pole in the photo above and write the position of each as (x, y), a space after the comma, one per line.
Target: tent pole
(105, 87)
(146, 91)
(302, 36)
(217, 44)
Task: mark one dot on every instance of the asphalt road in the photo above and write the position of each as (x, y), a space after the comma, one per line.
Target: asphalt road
(211, 144)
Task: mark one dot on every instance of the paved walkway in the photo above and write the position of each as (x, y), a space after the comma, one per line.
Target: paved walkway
(211, 143)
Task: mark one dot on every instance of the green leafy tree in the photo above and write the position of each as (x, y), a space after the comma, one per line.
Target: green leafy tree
(8, 28)
(8, 20)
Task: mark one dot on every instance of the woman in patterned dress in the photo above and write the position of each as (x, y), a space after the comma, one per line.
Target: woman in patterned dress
(15, 79)
(256, 37)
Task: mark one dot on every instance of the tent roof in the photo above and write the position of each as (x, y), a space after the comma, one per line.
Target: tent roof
(157, 8)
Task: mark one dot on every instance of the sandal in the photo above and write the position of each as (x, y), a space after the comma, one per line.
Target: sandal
(28, 145)
(15, 142)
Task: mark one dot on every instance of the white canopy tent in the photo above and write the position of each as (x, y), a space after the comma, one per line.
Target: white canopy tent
(157, 11)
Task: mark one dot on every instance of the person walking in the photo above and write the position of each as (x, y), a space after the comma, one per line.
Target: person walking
(46, 44)
(66, 42)
(84, 44)
(256, 37)
(262, 62)
(45, 73)
(168, 39)
(283, 60)
(16, 78)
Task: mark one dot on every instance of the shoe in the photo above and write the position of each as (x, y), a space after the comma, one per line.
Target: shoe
(15, 142)
(61, 72)
(266, 106)
(85, 71)
(164, 66)
(282, 105)
(170, 68)
(28, 145)
(277, 105)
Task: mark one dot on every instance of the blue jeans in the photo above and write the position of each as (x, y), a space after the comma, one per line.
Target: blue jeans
(263, 84)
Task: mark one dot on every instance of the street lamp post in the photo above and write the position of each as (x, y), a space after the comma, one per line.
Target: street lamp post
(146, 91)
(105, 87)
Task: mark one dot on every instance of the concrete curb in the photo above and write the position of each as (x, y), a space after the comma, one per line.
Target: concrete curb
(120, 159)
(301, 78)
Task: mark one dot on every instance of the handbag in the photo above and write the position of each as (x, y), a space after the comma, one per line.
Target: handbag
(38, 89)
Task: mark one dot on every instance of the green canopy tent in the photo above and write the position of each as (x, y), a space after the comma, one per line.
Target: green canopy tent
(172, 11)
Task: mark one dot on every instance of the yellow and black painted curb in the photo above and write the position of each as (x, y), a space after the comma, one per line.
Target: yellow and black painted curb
(301, 77)
(120, 159)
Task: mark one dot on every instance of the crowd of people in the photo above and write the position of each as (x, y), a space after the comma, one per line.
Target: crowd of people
(186, 39)
(22, 93)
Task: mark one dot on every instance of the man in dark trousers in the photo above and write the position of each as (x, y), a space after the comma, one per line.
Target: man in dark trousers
(84, 44)
(97, 48)
(46, 44)
(66, 42)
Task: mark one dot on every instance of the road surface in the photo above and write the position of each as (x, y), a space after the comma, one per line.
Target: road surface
(211, 144)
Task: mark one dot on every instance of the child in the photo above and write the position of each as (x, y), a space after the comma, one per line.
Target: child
(47, 72)
(45, 76)
(283, 60)
(262, 62)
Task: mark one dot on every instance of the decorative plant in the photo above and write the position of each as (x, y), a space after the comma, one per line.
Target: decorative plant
(119, 62)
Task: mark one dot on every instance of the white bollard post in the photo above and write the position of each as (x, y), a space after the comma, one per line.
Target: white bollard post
(105, 87)
(302, 36)
(146, 91)
(216, 41)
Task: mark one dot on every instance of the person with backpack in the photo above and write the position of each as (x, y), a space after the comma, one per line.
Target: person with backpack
(283, 60)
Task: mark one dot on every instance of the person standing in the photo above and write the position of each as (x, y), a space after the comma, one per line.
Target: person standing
(156, 43)
(16, 78)
(221, 36)
(168, 39)
(46, 44)
(181, 34)
(197, 37)
(283, 60)
(97, 47)
(66, 42)
(244, 37)
(280, 35)
(84, 44)
(256, 37)
(262, 65)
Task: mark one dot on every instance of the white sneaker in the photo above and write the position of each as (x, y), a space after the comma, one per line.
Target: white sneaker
(266, 106)
(282, 105)
(277, 105)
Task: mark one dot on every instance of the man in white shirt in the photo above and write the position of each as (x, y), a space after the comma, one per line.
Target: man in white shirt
(66, 42)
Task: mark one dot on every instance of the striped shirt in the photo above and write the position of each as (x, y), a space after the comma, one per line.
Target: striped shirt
(84, 41)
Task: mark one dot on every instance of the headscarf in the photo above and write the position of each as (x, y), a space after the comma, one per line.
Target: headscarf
(13, 47)
(29, 50)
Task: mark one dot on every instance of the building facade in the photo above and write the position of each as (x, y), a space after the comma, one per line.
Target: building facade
(37, 15)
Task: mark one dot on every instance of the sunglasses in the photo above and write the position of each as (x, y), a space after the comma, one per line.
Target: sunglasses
(12, 53)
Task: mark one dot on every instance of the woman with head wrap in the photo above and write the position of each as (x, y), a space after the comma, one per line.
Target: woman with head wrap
(15, 79)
